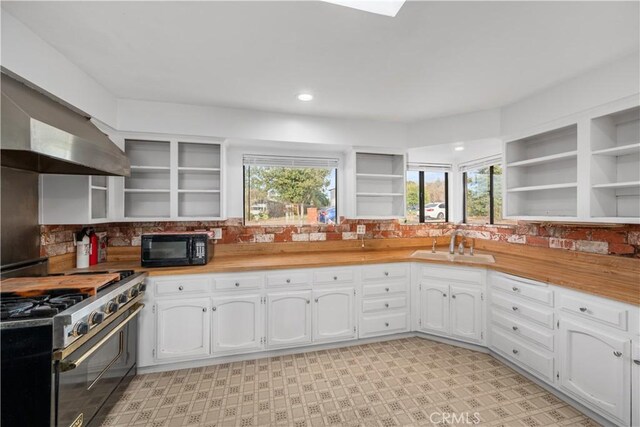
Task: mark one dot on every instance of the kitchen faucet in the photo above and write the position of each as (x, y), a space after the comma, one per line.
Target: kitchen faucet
(452, 243)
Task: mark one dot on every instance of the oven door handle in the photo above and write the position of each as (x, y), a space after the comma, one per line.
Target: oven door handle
(72, 364)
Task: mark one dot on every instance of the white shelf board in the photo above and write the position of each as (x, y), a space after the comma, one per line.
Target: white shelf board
(544, 159)
(97, 187)
(629, 184)
(542, 187)
(198, 191)
(149, 168)
(145, 190)
(379, 194)
(378, 176)
(189, 169)
(619, 151)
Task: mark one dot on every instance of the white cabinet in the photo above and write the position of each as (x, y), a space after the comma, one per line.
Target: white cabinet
(183, 329)
(434, 308)
(635, 381)
(237, 323)
(288, 318)
(466, 312)
(75, 199)
(595, 367)
(334, 314)
(379, 185)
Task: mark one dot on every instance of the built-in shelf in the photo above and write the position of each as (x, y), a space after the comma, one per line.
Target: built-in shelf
(96, 187)
(198, 191)
(378, 176)
(544, 159)
(380, 194)
(139, 168)
(543, 187)
(190, 169)
(614, 185)
(146, 190)
(379, 185)
(619, 151)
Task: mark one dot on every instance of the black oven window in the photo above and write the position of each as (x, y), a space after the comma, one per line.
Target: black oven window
(167, 250)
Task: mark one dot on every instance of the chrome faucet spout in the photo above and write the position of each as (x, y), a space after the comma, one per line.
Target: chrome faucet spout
(452, 243)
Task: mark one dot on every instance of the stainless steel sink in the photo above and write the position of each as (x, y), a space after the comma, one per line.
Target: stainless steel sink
(446, 256)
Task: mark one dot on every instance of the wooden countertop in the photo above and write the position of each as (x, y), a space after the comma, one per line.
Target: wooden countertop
(610, 277)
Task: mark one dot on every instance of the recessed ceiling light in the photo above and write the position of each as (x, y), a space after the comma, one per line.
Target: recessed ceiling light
(380, 7)
(458, 148)
(305, 97)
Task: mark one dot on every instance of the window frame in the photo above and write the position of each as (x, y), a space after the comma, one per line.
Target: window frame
(421, 193)
(491, 196)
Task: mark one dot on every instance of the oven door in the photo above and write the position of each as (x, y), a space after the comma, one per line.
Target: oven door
(87, 378)
(166, 250)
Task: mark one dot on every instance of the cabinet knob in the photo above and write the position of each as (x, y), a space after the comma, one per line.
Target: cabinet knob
(386, 289)
(212, 309)
(515, 289)
(514, 308)
(514, 351)
(204, 309)
(237, 284)
(515, 328)
(444, 295)
(181, 288)
(636, 361)
(386, 324)
(386, 305)
(583, 309)
(335, 277)
(617, 353)
(309, 301)
(316, 300)
(453, 296)
(386, 273)
(288, 280)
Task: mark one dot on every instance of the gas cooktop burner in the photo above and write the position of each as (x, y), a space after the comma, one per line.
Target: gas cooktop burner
(15, 307)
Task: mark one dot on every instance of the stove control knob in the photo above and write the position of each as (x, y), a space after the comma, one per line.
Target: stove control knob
(80, 328)
(143, 287)
(122, 299)
(111, 307)
(133, 292)
(96, 317)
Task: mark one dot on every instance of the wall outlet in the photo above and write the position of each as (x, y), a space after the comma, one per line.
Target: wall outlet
(361, 229)
(217, 233)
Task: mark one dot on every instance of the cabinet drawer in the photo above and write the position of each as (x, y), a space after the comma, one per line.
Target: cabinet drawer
(293, 278)
(460, 274)
(383, 324)
(239, 282)
(379, 289)
(385, 271)
(538, 293)
(527, 311)
(383, 304)
(608, 313)
(538, 361)
(523, 329)
(181, 286)
(334, 275)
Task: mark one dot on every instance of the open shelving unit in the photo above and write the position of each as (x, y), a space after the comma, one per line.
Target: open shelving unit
(74, 199)
(199, 180)
(380, 185)
(615, 165)
(542, 174)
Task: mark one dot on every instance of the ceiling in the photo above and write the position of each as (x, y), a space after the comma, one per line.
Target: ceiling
(433, 59)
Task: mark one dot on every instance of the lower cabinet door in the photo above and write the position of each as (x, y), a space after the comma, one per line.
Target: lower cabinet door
(334, 314)
(595, 366)
(635, 375)
(434, 308)
(237, 323)
(288, 318)
(183, 329)
(466, 313)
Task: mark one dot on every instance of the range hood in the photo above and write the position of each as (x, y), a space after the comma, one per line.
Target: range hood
(42, 135)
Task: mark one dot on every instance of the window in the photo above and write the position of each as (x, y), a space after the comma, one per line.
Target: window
(483, 195)
(289, 190)
(427, 194)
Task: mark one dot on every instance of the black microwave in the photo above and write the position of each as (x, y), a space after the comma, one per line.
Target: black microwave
(166, 250)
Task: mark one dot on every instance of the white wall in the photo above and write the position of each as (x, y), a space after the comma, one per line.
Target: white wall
(461, 127)
(608, 83)
(30, 57)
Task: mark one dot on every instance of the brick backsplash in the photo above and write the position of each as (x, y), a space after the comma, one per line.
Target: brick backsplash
(621, 240)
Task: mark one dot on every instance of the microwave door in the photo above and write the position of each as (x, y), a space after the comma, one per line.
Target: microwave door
(167, 250)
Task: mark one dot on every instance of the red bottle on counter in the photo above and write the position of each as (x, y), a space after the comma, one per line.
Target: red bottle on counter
(93, 243)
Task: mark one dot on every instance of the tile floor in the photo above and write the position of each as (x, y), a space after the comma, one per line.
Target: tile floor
(393, 383)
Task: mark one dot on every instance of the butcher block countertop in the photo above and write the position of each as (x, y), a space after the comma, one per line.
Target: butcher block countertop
(612, 277)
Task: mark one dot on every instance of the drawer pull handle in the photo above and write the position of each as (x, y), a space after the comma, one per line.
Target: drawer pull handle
(636, 361)
(514, 308)
(335, 277)
(387, 305)
(515, 328)
(515, 289)
(386, 289)
(386, 324)
(288, 280)
(617, 353)
(212, 309)
(583, 309)
(204, 309)
(181, 288)
(386, 273)
(453, 296)
(237, 284)
(514, 351)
